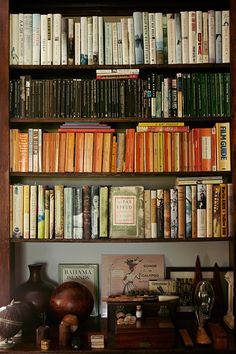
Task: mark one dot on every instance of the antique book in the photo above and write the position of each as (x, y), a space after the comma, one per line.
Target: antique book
(126, 215)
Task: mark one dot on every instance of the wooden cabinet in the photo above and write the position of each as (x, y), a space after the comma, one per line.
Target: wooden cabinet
(23, 251)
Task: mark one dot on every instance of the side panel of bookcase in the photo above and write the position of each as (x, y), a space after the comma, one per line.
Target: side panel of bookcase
(4, 158)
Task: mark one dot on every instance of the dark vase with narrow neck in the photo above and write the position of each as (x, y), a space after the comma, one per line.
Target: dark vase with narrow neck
(36, 291)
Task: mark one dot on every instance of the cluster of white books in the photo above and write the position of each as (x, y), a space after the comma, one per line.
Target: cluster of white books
(144, 38)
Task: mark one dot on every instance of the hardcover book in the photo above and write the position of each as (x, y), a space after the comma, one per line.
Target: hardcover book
(126, 212)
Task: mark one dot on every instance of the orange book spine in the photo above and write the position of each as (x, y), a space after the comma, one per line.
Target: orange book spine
(113, 154)
(88, 152)
(62, 152)
(205, 143)
(97, 152)
(168, 152)
(185, 152)
(107, 151)
(70, 149)
(79, 152)
(23, 152)
(149, 151)
(129, 151)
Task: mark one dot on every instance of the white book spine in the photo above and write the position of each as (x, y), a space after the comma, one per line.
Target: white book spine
(51, 213)
(14, 39)
(108, 43)
(68, 212)
(146, 51)
(100, 41)
(209, 210)
(36, 38)
(159, 38)
(218, 33)
(192, 37)
(153, 213)
(138, 37)
(84, 41)
(225, 36)
(78, 213)
(119, 44)
(95, 40)
(201, 211)
(171, 34)
(49, 41)
(40, 150)
(90, 40)
(33, 211)
(205, 41)
(199, 36)
(43, 39)
(152, 37)
(178, 40)
(211, 36)
(56, 39)
(21, 38)
(64, 41)
(70, 42)
(185, 36)
(131, 40)
(114, 44)
(18, 215)
(28, 39)
(30, 132)
(26, 210)
(125, 42)
(77, 43)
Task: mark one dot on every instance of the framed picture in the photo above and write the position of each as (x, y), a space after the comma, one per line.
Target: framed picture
(184, 277)
(86, 274)
(123, 274)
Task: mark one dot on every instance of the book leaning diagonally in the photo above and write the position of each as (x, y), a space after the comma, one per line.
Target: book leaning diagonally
(126, 205)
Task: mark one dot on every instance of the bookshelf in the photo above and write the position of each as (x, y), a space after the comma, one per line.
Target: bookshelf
(16, 252)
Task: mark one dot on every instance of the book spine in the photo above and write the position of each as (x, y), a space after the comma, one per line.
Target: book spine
(171, 36)
(119, 44)
(115, 44)
(68, 212)
(223, 210)
(59, 211)
(194, 211)
(95, 40)
(211, 36)
(146, 51)
(201, 211)
(199, 36)
(84, 41)
(216, 211)
(188, 211)
(152, 38)
(49, 39)
(209, 209)
(167, 215)
(173, 213)
(159, 38)
(205, 39)
(218, 34)
(26, 206)
(90, 40)
(103, 211)
(51, 213)
(181, 212)
(18, 211)
(78, 213)
(225, 36)
(153, 214)
(138, 37)
(185, 36)
(64, 41)
(94, 212)
(178, 39)
(108, 43)
(36, 39)
(125, 43)
(86, 212)
(147, 213)
(70, 41)
(100, 41)
(160, 213)
(33, 212)
(47, 213)
(14, 38)
(41, 212)
(77, 43)
(131, 43)
(192, 37)
(230, 209)
(223, 146)
(28, 36)
(56, 39)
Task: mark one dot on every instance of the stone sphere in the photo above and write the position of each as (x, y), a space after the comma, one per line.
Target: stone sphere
(71, 298)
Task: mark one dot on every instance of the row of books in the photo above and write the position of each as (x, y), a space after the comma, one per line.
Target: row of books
(182, 95)
(144, 38)
(98, 148)
(91, 212)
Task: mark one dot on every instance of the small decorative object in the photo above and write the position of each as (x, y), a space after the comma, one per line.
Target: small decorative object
(45, 344)
(138, 311)
(11, 321)
(229, 317)
(71, 320)
(71, 298)
(42, 332)
(204, 298)
(36, 291)
(64, 334)
(75, 343)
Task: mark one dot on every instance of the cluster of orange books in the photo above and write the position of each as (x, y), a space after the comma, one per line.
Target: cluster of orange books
(148, 148)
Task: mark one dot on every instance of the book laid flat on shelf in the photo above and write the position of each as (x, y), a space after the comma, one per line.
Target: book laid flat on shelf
(126, 212)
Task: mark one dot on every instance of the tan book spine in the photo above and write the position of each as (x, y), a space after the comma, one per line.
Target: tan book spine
(47, 213)
(103, 212)
(23, 152)
(18, 211)
(88, 152)
(79, 152)
(223, 210)
(209, 209)
(26, 233)
(153, 213)
(107, 151)
(59, 211)
(147, 213)
(51, 213)
(33, 211)
(181, 211)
